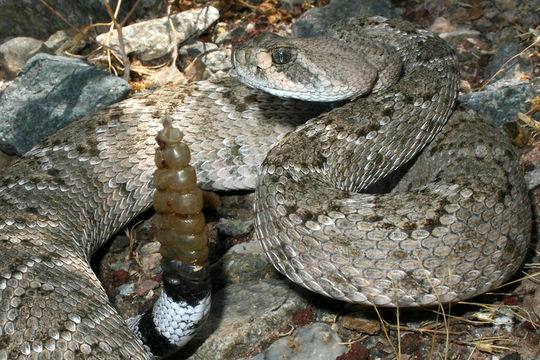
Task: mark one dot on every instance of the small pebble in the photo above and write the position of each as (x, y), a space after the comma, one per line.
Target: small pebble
(146, 286)
(234, 228)
(149, 248)
(126, 289)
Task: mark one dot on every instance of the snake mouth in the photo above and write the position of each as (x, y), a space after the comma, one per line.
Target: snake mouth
(239, 62)
(234, 59)
(281, 69)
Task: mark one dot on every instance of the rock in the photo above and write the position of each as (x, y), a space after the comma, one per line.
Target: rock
(196, 48)
(223, 35)
(58, 42)
(32, 18)
(442, 25)
(119, 243)
(501, 101)
(146, 286)
(363, 324)
(202, 60)
(532, 178)
(303, 317)
(290, 4)
(242, 263)
(234, 228)
(166, 75)
(511, 356)
(216, 61)
(317, 20)
(236, 207)
(458, 34)
(190, 51)
(120, 276)
(120, 265)
(316, 341)
(410, 343)
(519, 65)
(6, 160)
(151, 264)
(15, 53)
(152, 39)
(197, 71)
(242, 316)
(356, 351)
(149, 248)
(126, 289)
(49, 93)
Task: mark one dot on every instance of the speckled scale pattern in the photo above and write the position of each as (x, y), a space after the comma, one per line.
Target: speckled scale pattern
(456, 226)
(63, 199)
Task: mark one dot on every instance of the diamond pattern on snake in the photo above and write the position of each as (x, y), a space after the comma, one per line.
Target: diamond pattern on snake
(454, 225)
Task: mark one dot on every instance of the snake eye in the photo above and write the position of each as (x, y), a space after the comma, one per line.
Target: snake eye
(281, 56)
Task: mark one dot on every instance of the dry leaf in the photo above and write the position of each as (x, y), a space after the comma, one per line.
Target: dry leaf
(519, 135)
(196, 71)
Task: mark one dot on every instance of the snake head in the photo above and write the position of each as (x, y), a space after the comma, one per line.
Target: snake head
(311, 69)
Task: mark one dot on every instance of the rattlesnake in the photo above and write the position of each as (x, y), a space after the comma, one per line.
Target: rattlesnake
(456, 224)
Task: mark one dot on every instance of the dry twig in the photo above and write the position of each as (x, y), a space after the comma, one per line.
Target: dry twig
(118, 26)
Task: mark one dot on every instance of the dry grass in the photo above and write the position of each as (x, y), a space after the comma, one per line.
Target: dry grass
(535, 33)
(443, 321)
(451, 326)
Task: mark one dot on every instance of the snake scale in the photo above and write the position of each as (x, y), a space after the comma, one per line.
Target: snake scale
(456, 224)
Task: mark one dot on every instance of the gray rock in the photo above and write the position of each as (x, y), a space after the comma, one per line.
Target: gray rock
(501, 101)
(222, 35)
(217, 61)
(126, 290)
(234, 227)
(513, 69)
(512, 356)
(317, 20)
(49, 93)
(149, 248)
(120, 265)
(317, 341)
(242, 316)
(532, 178)
(15, 53)
(119, 243)
(153, 39)
(243, 262)
(32, 18)
(193, 49)
(196, 48)
(289, 4)
(58, 42)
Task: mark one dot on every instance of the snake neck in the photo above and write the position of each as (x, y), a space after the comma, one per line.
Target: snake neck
(369, 136)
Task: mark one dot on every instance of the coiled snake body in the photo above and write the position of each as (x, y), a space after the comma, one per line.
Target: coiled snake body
(455, 225)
